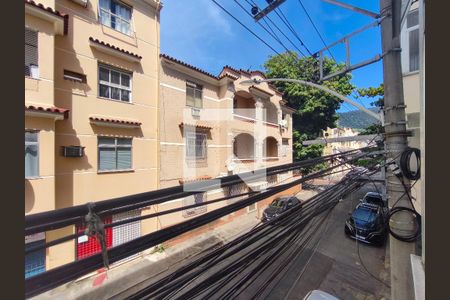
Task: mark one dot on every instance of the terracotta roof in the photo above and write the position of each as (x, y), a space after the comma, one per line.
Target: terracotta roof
(97, 41)
(257, 72)
(260, 89)
(274, 88)
(205, 177)
(53, 110)
(227, 67)
(47, 9)
(201, 126)
(187, 65)
(109, 120)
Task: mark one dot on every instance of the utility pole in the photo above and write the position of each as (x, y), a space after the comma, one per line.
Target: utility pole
(396, 143)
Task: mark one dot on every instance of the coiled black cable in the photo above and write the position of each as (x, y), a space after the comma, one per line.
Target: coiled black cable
(396, 209)
(405, 159)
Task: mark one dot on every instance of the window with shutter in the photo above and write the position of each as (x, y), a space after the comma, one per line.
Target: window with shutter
(116, 15)
(414, 50)
(194, 95)
(31, 154)
(114, 154)
(31, 53)
(195, 145)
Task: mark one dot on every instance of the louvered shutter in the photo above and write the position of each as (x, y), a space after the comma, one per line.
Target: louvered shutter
(31, 53)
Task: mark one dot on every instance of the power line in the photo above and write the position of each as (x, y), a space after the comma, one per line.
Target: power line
(291, 28)
(272, 34)
(317, 30)
(276, 26)
(243, 25)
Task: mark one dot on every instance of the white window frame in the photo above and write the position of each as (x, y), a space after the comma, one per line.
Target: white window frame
(38, 152)
(405, 45)
(197, 88)
(36, 76)
(100, 10)
(115, 146)
(110, 85)
(194, 136)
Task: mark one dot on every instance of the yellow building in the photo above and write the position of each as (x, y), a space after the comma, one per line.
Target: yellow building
(91, 107)
(411, 84)
(213, 126)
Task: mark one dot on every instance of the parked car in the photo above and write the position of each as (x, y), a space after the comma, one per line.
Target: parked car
(278, 206)
(367, 223)
(319, 295)
(374, 199)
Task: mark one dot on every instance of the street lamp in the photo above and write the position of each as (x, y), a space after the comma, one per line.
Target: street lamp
(379, 116)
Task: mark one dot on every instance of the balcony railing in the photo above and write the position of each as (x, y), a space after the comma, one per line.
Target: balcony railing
(253, 120)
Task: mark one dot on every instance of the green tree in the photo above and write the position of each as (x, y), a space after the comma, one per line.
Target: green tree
(316, 109)
(373, 92)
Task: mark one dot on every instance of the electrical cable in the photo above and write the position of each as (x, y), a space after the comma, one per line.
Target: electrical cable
(317, 30)
(405, 167)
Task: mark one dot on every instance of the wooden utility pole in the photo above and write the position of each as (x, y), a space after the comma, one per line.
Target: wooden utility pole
(396, 143)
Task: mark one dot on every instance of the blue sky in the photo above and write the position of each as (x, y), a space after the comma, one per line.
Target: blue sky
(200, 33)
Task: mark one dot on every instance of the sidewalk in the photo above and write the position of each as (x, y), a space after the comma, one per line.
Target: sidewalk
(128, 276)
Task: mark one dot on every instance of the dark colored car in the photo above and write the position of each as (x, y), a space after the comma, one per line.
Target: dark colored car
(278, 206)
(367, 223)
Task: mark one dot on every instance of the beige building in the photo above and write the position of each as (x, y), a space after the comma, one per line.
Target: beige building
(411, 84)
(91, 114)
(341, 146)
(213, 126)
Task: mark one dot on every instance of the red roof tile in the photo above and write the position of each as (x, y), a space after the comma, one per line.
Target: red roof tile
(48, 9)
(187, 65)
(53, 110)
(97, 41)
(201, 126)
(109, 120)
(260, 89)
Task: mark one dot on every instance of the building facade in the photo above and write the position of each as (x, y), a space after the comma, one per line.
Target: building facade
(212, 126)
(412, 84)
(91, 114)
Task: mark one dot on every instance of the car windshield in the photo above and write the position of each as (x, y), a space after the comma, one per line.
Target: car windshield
(364, 214)
(278, 203)
(373, 200)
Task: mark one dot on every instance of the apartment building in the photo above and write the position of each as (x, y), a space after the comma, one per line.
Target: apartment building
(410, 59)
(91, 114)
(213, 126)
(341, 146)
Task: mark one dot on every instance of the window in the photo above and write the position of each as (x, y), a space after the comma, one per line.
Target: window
(114, 84)
(194, 95)
(116, 15)
(31, 154)
(412, 36)
(34, 261)
(195, 145)
(114, 154)
(31, 53)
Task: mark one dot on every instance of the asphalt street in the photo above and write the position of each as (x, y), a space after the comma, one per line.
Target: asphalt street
(320, 256)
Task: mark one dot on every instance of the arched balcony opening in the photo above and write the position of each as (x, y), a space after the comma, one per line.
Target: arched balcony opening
(270, 113)
(244, 147)
(270, 148)
(244, 104)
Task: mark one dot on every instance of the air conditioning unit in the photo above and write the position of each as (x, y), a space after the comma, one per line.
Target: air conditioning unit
(73, 151)
(195, 112)
(81, 2)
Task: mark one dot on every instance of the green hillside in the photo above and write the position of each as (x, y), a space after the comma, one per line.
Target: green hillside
(356, 119)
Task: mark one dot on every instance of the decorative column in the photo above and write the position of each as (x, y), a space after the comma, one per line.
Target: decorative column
(258, 133)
